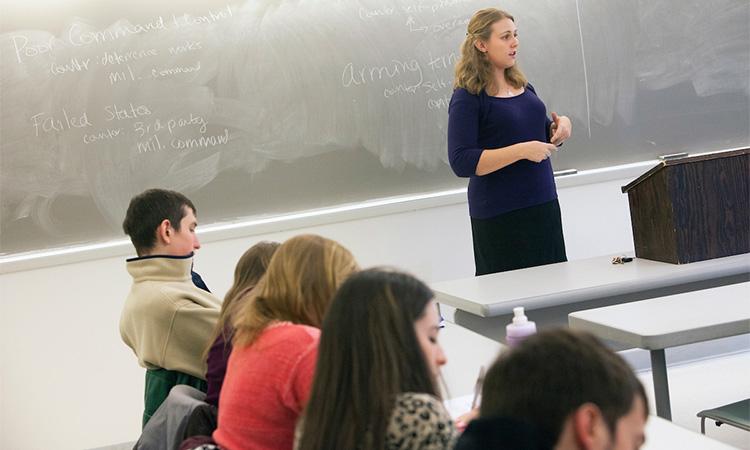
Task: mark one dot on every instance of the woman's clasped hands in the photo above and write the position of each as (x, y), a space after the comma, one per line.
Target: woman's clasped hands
(560, 129)
(538, 151)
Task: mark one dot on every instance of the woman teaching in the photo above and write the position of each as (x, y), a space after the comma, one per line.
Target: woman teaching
(500, 137)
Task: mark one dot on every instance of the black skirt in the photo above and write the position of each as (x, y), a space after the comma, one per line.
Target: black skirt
(517, 239)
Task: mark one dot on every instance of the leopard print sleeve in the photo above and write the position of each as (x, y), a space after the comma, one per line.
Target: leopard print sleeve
(420, 422)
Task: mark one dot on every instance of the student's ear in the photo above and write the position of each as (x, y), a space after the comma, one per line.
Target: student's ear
(479, 44)
(589, 427)
(164, 232)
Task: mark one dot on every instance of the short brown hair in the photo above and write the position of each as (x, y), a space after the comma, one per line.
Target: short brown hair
(551, 374)
(149, 209)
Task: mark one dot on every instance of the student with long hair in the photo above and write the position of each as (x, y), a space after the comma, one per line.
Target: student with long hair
(250, 268)
(499, 136)
(276, 334)
(378, 363)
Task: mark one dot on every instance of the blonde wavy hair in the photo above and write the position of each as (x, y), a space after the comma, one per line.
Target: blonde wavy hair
(474, 70)
(298, 286)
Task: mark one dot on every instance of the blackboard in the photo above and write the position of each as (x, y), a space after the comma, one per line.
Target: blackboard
(261, 108)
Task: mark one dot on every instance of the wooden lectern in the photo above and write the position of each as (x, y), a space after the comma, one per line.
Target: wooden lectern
(692, 208)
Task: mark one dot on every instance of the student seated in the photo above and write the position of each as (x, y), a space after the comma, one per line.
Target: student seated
(166, 319)
(250, 268)
(248, 271)
(560, 390)
(275, 343)
(378, 363)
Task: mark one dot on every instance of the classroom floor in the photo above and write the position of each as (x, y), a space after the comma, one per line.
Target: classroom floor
(705, 384)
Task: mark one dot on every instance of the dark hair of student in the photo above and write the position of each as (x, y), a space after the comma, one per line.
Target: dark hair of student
(551, 374)
(147, 210)
(250, 268)
(368, 354)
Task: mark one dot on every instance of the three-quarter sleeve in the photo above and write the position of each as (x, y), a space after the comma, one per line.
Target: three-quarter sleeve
(463, 133)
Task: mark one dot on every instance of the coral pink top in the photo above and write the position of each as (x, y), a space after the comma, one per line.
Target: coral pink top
(266, 388)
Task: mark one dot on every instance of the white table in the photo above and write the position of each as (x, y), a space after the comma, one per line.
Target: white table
(466, 351)
(660, 323)
(551, 292)
(662, 434)
(578, 281)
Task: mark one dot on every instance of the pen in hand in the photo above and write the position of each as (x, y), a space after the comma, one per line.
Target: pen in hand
(478, 388)
(463, 421)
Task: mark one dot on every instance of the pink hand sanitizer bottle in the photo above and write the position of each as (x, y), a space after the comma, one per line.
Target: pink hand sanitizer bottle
(519, 329)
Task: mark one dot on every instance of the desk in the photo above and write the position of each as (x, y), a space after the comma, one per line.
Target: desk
(555, 290)
(662, 434)
(660, 323)
(466, 351)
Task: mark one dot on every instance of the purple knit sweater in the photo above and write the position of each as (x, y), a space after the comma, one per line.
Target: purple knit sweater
(218, 356)
(479, 122)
